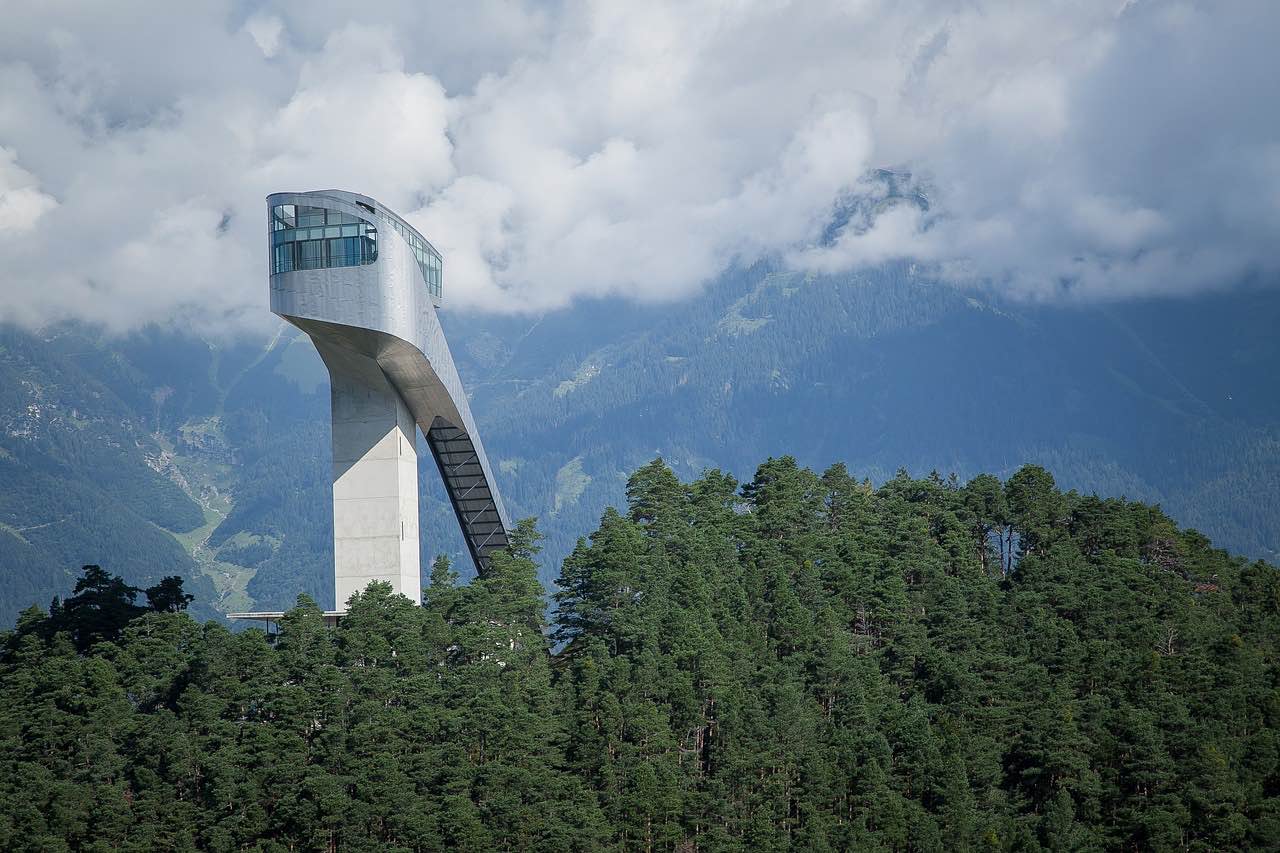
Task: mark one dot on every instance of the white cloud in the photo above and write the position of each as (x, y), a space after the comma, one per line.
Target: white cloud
(1095, 150)
(266, 31)
(21, 201)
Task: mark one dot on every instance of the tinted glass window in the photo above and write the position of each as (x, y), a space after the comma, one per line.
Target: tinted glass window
(305, 237)
(313, 238)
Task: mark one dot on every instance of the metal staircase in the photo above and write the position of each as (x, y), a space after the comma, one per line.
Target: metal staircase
(469, 492)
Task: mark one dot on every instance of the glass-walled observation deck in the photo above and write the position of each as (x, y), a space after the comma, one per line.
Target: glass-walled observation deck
(310, 238)
(313, 238)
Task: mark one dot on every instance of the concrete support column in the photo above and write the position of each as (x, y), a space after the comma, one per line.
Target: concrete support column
(375, 479)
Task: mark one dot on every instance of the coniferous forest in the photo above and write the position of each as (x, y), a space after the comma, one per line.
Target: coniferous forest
(798, 662)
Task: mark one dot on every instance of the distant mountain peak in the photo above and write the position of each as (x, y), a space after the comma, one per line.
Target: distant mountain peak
(878, 191)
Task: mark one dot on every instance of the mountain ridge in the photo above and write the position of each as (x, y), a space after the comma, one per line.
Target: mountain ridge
(1164, 400)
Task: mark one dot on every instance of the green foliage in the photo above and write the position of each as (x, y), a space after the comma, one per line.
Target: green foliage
(802, 662)
(167, 596)
(101, 607)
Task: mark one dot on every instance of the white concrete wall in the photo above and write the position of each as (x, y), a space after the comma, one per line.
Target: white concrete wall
(375, 483)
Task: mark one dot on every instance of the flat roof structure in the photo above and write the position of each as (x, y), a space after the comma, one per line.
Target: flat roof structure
(273, 617)
(364, 285)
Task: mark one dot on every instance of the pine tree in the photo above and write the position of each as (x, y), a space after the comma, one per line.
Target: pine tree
(803, 663)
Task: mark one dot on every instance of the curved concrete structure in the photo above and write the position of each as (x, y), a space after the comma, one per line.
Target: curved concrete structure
(364, 285)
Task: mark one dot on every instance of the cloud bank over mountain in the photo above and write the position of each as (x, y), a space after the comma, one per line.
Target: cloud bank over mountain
(1083, 151)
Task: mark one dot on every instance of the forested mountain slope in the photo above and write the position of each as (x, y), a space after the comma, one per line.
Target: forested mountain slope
(83, 467)
(802, 662)
(1176, 402)
(213, 457)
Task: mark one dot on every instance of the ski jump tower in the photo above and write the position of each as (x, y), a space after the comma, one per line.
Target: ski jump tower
(364, 285)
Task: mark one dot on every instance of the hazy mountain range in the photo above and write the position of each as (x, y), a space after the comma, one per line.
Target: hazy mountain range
(163, 453)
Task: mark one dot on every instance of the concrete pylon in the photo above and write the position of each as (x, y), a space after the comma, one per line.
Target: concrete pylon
(375, 479)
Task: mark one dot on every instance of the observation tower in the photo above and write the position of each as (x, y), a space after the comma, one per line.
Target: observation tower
(364, 285)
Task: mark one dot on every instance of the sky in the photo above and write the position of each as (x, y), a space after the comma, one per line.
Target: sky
(1069, 151)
